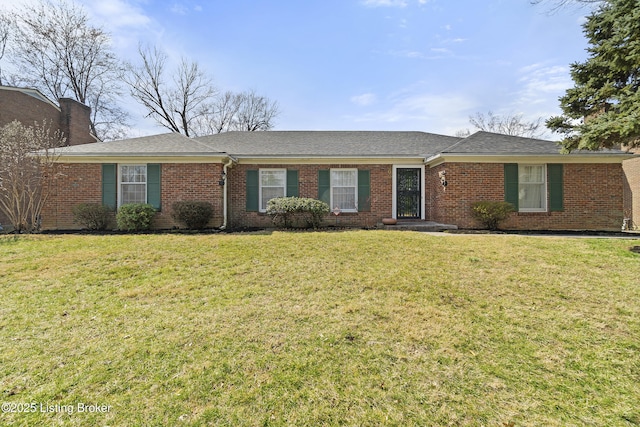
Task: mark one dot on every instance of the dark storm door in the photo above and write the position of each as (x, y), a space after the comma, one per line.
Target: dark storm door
(408, 193)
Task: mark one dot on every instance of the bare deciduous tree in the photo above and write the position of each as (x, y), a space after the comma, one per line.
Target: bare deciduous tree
(5, 31)
(173, 104)
(56, 50)
(186, 100)
(256, 112)
(559, 4)
(509, 124)
(25, 178)
(244, 111)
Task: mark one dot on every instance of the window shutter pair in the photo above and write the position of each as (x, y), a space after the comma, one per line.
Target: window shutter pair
(110, 185)
(554, 183)
(364, 188)
(253, 188)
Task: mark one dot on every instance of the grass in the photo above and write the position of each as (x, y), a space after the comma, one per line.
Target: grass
(350, 328)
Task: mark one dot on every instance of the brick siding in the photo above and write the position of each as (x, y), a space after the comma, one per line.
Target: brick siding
(72, 119)
(82, 183)
(380, 183)
(593, 197)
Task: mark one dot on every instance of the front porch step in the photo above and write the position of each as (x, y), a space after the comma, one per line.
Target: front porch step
(417, 225)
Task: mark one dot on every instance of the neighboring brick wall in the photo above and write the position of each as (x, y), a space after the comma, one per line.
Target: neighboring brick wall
(631, 169)
(593, 197)
(381, 197)
(82, 183)
(15, 105)
(75, 122)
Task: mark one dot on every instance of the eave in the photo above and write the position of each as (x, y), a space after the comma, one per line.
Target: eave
(327, 160)
(526, 158)
(144, 158)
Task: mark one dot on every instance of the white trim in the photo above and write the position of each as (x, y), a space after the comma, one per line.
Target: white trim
(355, 192)
(600, 157)
(260, 208)
(119, 188)
(545, 194)
(99, 159)
(328, 160)
(394, 189)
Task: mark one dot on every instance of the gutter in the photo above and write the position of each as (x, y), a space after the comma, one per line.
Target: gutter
(225, 208)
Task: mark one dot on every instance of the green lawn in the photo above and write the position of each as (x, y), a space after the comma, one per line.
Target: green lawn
(355, 328)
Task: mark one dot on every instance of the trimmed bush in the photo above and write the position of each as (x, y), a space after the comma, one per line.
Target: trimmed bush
(135, 216)
(490, 214)
(297, 212)
(92, 216)
(192, 214)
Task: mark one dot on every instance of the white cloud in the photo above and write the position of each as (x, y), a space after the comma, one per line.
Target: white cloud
(384, 3)
(364, 100)
(179, 9)
(118, 14)
(542, 82)
(444, 113)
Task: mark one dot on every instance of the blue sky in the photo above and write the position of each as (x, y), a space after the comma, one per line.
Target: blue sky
(364, 64)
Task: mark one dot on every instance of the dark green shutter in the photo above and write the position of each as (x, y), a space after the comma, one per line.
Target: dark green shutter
(292, 183)
(324, 186)
(109, 185)
(253, 191)
(556, 192)
(364, 191)
(153, 185)
(511, 184)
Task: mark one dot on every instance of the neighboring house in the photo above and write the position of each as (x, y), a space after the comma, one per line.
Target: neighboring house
(29, 106)
(366, 176)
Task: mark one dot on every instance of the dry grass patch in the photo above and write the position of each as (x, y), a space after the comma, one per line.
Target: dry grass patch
(351, 328)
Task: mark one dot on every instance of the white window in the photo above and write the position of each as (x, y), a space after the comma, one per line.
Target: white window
(344, 189)
(273, 183)
(532, 188)
(133, 184)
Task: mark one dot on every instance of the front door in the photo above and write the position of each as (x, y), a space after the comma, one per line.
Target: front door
(408, 193)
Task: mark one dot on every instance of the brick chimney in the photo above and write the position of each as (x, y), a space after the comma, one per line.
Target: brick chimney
(75, 122)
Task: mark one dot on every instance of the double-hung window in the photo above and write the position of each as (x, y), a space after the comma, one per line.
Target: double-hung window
(133, 184)
(344, 189)
(273, 183)
(532, 188)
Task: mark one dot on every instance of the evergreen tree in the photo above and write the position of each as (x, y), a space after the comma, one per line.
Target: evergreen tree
(602, 110)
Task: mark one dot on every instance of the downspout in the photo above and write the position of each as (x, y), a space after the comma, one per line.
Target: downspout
(225, 209)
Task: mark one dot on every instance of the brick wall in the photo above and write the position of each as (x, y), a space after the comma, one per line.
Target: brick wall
(75, 122)
(15, 105)
(82, 183)
(73, 184)
(195, 181)
(381, 197)
(593, 197)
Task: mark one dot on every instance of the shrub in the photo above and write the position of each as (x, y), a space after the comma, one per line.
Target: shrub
(92, 216)
(193, 214)
(135, 216)
(290, 212)
(490, 214)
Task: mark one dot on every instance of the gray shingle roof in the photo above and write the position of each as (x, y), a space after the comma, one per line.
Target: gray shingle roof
(493, 143)
(328, 143)
(165, 144)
